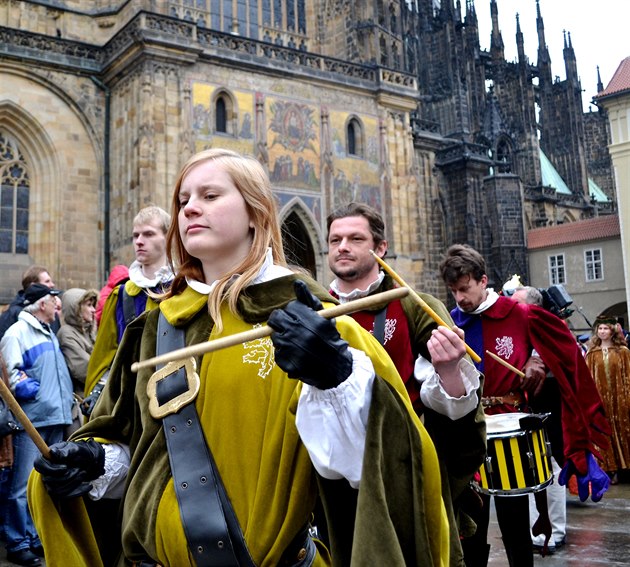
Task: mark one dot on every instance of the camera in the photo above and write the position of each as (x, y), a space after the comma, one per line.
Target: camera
(555, 298)
(557, 301)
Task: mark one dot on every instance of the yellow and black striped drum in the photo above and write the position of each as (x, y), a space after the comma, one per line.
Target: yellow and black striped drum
(518, 460)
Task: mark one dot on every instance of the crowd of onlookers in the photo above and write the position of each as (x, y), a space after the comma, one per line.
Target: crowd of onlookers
(47, 338)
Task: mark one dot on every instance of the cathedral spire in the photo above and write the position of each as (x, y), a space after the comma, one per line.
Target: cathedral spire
(544, 61)
(496, 41)
(570, 63)
(471, 13)
(520, 42)
(543, 52)
(600, 85)
(447, 9)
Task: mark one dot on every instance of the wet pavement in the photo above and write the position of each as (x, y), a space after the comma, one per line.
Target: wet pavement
(597, 533)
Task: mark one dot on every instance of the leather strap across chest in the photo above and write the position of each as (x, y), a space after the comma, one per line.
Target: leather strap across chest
(212, 530)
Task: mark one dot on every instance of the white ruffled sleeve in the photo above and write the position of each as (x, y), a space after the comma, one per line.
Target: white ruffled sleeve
(332, 423)
(112, 483)
(435, 397)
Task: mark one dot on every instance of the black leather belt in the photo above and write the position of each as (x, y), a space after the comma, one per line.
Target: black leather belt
(212, 529)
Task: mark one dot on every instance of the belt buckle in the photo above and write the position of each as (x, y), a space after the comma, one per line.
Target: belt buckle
(158, 411)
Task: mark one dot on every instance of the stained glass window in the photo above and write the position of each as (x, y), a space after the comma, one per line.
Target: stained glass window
(14, 197)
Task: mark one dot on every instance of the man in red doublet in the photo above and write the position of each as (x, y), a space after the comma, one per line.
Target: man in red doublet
(443, 385)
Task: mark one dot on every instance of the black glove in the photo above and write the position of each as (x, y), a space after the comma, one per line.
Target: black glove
(72, 465)
(88, 403)
(308, 347)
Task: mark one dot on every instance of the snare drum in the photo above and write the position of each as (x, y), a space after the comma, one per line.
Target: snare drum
(518, 460)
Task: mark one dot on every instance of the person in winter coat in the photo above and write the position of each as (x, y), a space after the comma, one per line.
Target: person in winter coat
(34, 274)
(76, 340)
(40, 381)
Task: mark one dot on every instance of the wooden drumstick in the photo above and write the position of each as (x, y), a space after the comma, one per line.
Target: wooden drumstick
(506, 364)
(421, 302)
(239, 338)
(26, 423)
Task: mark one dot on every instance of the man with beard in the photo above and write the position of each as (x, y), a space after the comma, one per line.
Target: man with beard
(442, 383)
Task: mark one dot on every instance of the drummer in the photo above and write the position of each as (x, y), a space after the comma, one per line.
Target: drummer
(512, 331)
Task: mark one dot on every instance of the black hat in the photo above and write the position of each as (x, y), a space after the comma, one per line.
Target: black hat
(37, 291)
(605, 320)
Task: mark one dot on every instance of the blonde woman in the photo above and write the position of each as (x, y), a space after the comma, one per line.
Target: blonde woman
(285, 419)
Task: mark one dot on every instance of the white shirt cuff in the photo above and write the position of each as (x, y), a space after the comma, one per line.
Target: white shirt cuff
(332, 423)
(112, 483)
(435, 397)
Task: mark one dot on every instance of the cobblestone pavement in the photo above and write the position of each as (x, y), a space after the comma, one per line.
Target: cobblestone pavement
(597, 533)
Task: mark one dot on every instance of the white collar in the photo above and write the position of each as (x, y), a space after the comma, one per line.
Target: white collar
(268, 271)
(356, 293)
(163, 275)
(487, 303)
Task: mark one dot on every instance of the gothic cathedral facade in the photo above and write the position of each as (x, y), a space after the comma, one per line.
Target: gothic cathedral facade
(392, 103)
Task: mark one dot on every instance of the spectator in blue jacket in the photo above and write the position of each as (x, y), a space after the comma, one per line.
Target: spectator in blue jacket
(40, 381)
(34, 274)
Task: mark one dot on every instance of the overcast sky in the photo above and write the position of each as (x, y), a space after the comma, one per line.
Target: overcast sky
(599, 34)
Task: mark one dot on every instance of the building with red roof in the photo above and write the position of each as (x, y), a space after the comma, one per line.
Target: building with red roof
(615, 100)
(583, 256)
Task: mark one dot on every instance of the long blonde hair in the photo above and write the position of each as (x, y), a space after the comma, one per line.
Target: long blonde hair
(253, 183)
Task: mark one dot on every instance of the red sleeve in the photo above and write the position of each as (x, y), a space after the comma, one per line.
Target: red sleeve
(584, 422)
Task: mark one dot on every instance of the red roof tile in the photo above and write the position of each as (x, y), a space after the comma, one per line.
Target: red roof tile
(620, 81)
(573, 232)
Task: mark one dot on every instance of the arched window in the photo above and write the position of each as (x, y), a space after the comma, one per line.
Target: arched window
(354, 138)
(504, 157)
(395, 56)
(297, 244)
(220, 111)
(393, 21)
(14, 197)
(225, 113)
(383, 49)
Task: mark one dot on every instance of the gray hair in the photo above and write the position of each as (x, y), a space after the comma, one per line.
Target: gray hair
(532, 295)
(34, 307)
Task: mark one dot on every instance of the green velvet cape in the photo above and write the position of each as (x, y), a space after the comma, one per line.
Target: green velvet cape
(397, 517)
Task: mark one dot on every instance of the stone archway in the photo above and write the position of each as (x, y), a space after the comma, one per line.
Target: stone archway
(620, 311)
(59, 144)
(34, 152)
(297, 244)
